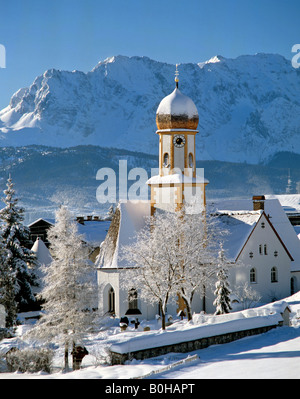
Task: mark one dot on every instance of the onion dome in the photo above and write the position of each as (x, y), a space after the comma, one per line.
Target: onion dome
(177, 111)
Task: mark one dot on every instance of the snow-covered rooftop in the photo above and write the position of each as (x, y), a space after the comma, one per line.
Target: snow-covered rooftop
(239, 225)
(42, 252)
(176, 178)
(289, 202)
(177, 103)
(236, 212)
(129, 218)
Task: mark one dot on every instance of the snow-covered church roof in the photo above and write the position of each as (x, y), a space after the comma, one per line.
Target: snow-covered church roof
(128, 219)
(177, 111)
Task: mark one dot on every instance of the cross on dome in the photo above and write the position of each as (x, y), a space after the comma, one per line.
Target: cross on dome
(176, 76)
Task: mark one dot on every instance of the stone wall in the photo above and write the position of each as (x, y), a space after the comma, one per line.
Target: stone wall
(189, 346)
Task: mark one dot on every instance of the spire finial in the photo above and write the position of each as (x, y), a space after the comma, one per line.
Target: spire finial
(176, 76)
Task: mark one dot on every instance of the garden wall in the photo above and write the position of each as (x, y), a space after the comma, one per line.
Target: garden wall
(145, 345)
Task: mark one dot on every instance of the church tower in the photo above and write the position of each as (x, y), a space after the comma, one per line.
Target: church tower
(177, 183)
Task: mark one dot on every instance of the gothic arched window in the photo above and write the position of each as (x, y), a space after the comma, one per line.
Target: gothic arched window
(111, 300)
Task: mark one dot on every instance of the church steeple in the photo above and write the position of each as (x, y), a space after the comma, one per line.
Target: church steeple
(177, 120)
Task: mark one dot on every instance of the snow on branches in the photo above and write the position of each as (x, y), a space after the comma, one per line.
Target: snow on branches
(20, 260)
(174, 255)
(69, 287)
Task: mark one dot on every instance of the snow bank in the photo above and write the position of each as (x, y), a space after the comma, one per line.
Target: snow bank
(240, 322)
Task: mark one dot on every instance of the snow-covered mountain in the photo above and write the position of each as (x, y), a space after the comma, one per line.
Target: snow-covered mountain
(249, 107)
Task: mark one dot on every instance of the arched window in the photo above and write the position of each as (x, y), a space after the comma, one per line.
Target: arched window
(274, 275)
(166, 163)
(191, 160)
(253, 275)
(111, 300)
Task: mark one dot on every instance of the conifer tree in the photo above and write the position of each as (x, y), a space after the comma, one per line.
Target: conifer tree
(7, 286)
(222, 292)
(16, 240)
(68, 286)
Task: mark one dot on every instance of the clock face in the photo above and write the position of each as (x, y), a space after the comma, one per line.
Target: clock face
(179, 141)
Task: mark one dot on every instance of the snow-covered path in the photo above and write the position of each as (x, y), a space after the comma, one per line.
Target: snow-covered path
(273, 355)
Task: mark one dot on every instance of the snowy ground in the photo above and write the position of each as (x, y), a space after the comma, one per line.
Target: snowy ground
(273, 355)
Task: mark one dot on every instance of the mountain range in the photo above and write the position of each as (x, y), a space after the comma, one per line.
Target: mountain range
(249, 107)
(46, 177)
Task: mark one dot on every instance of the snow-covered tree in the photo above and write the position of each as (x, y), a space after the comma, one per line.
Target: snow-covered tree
(222, 292)
(198, 234)
(247, 296)
(173, 255)
(7, 286)
(16, 240)
(69, 287)
(154, 260)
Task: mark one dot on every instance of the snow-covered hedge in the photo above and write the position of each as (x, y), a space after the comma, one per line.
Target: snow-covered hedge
(29, 360)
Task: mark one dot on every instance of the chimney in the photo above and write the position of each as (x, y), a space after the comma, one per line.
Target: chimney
(80, 219)
(258, 202)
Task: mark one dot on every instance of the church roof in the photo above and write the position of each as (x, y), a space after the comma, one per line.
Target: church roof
(177, 111)
(129, 218)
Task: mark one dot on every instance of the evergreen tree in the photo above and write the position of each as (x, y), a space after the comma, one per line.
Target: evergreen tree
(68, 286)
(222, 292)
(16, 240)
(7, 286)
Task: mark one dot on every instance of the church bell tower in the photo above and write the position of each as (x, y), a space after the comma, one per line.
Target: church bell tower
(177, 183)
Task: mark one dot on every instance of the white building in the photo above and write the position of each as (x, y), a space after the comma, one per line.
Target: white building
(263, 241)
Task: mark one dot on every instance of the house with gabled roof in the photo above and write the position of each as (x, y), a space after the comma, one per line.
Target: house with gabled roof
(262, 245)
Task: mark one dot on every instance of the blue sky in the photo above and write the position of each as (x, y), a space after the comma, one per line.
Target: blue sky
(77, 34)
